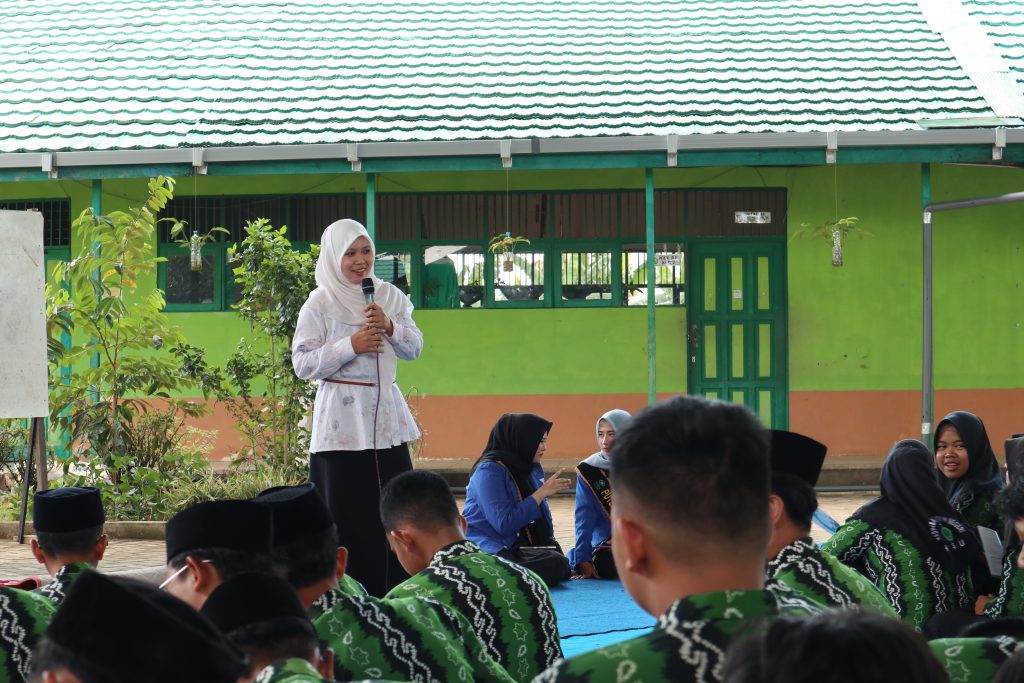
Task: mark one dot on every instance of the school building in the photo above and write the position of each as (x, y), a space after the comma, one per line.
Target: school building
(697, 136)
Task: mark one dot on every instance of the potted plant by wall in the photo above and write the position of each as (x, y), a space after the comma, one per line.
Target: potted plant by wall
(836, 232)
(503, 246)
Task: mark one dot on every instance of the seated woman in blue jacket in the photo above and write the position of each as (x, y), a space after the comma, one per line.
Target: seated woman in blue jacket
(592, 556)
(506, 508)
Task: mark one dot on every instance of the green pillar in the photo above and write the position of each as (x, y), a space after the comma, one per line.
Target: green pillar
(371, 205)
(97, 210)
(651, 268)
(927, 368)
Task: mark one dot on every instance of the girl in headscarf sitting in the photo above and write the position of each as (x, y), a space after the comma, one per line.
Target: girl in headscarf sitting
(910, 541)
(592, 556)
(970, 474)
(506, 508)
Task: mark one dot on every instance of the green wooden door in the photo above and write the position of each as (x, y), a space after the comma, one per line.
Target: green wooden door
(737, 325)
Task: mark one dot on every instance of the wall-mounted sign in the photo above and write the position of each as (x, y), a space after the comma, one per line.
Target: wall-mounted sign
(670, 259)
(753, 217)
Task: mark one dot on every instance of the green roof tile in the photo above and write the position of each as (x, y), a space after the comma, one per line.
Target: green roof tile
(115, 74)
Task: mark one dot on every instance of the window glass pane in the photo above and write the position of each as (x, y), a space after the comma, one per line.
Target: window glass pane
(669, 280)
(586, 275)
(520, 277)
(764, 350)
(736, 266)
(710, 352)
(186, 286)
(764, 407)
(763, 292)
(453, 276)
(393, 267)
(737, 352)
(710, 284)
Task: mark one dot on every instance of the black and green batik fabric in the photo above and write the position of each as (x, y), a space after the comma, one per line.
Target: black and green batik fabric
(56, 589)
(1009, 601)
(289, 671)
(978, 509)
(24, 617)
(404, 639)
(508, 606)
(821, 578)
(686, 645)
(973, 660)
(915, 585)
(346, 586)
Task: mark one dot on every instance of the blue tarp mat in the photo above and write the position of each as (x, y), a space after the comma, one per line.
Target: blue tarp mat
(593, 613)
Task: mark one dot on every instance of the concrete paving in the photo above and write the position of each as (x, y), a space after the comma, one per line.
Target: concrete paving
(145, 558)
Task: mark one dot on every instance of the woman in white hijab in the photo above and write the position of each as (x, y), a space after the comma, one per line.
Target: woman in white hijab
(592, 556)
(361, 423)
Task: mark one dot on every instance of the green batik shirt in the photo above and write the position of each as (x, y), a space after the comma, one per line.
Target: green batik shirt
(24, 617)
(973, 660)
(915, 585)
(821, 578)
(57, 588)
(979, 510)
(289, 671)
(508, 605)
(1009, 601)
(346, 586)
(686, 645)
(404, 639)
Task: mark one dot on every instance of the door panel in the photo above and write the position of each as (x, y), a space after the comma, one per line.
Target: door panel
(737, 333)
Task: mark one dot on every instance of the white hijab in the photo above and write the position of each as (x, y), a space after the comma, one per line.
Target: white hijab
(618, 419)
(347, 297)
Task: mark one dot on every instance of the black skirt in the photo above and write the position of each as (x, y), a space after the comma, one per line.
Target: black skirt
(348, 481)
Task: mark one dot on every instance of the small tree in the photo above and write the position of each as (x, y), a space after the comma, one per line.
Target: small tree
(117, 333)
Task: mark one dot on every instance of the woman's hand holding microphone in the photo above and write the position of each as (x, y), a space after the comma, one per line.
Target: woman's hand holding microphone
(370, 339)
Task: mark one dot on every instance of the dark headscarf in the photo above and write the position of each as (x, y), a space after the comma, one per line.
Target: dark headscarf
(912, 505)
(983, 476)
(513, 442)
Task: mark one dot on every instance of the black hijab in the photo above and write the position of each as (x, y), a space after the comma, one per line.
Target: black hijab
(983, 476)
(912, 504)
(513, 442)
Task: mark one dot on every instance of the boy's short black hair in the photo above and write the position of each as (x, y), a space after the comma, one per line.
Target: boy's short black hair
(228, 561)
(1010, 500)
(419, 497)
(798, 496)
(282, 638)
(79, 542)
(309, 559)
(699, 468)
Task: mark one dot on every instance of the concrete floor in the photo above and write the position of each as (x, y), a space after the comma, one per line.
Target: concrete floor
(145, 558)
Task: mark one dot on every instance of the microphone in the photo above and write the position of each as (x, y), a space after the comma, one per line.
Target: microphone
(368, 290)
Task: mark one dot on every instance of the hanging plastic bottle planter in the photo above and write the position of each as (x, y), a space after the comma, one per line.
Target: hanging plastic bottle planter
(837, 246)
(836, 232)
(196, 251)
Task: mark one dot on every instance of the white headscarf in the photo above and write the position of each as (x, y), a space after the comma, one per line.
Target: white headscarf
(618, 419)
(348, 297)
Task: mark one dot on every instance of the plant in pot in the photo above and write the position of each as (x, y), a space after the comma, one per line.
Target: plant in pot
(835, 231)
(503, 246)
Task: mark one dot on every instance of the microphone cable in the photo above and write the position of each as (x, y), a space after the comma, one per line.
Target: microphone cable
(368, 294)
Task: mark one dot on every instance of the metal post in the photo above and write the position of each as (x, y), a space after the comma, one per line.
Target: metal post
(927, 373)
(651, 282)
(371, 205)
(97, 210)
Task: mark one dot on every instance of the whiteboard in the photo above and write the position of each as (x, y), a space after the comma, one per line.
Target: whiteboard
(23, 389)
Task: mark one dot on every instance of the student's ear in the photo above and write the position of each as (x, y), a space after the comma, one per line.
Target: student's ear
(464, 524)
(775, 509)
(634, 542)
(403, 538)
(101, 547)
(205, 576)
(326, 664)
(37, 552)
(341, 563)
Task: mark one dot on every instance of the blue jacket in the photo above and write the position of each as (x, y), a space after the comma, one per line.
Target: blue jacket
(592, 525)
(493, 510)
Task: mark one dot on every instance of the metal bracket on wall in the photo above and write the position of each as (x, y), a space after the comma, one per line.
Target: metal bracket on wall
(46, 165)
(505, 147)
(831, 146)
(999, 145)
(353, 156)
(672, 150)
(198, 164)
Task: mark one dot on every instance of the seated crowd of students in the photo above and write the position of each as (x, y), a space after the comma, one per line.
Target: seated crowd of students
(710, 532)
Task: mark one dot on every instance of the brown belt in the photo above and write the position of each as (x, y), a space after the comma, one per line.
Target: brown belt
(346, 381)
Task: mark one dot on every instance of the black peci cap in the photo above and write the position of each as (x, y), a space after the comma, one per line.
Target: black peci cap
(71, 508)
(298, 512)
(797, 455)
(252, 598)
(130, 631)
(230, 524)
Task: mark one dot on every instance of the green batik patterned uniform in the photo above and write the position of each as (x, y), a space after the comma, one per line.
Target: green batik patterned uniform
(915, 585)
(346, 586)
(979, 510)
(819, 577)
(687, 644)
(508, 605)
(57, 588)
(1009, 601)
(24, 617)
(973, 660)
(289, 671)
(405, 639)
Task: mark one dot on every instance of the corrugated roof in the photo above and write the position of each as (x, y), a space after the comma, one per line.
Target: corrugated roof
(1003, 20)
(122, 74)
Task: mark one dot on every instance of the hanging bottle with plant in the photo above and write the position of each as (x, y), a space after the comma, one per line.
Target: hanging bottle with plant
(503, 245)
(836, 232)
(194, 242)
(196, 251)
